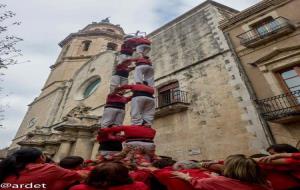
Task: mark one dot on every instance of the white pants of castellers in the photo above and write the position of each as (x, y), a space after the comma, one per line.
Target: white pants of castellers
(112, 116)
(117, 81)
(122, 57)
(144, 73)
(142, 109)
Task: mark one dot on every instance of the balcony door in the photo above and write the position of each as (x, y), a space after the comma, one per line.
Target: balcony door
(168, 94)
(290, 79)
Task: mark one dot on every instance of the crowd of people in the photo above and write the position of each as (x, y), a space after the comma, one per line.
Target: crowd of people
(280, 170)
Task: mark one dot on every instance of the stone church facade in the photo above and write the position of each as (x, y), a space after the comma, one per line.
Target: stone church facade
(203, 110)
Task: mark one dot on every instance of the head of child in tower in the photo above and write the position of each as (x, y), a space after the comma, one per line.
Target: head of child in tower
(72, 162)
(282, 148)
(244, 169)
(109, 174)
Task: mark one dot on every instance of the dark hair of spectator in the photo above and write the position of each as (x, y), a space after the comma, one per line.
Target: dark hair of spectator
(109, 174)
(258, 155)
(283, 148)
(71, 162)
(17, 161)
(164, 162)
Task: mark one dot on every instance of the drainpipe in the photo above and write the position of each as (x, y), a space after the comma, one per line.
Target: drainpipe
(266, 127)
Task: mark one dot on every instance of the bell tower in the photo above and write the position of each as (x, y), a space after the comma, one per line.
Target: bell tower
(80, 46)
(77, 49)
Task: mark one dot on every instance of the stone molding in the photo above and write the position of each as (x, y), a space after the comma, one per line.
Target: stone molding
(261, 6)
(89, 33)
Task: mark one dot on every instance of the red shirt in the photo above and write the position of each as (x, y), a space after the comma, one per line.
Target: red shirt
(224, 183)
(166, 177)
(49, 175)
(117, 98)
(125, 49)
(133, 132)
(290, 171)
(104, 136)
(124, 66)
(281, 180)
(141, 175)
(296, 155)
(140, 61)
(137, 41)
(138, 87)
(133, 186)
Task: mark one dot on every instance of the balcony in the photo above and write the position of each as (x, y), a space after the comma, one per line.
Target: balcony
(284, 108)
(273, 29)
(172, 101)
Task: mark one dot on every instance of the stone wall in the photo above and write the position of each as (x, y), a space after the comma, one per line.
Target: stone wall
(221, 118)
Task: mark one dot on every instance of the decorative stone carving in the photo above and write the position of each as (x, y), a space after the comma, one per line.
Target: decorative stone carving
(77, 113)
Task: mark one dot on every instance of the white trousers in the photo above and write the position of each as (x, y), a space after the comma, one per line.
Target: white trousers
(112, 116)
(142, 109)
(122, 57)
(143, 49)
(117, 81)
(144, 73)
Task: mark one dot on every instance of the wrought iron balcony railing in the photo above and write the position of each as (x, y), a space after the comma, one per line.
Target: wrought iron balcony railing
(281, 106)
(259, 34)
(171, 97)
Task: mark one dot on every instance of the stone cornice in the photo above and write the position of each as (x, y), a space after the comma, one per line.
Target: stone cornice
(37, 143)
(58, 81)
(267, 59)
(65, 59)
(195, 9)
(75, 127)
(89, 33)
(261, 6)
(104, 23)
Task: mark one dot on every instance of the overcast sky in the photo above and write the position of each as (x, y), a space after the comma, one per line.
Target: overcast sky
(47, 22)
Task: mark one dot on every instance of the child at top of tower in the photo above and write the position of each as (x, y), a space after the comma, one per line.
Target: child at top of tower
(137, 43)
(142, 103)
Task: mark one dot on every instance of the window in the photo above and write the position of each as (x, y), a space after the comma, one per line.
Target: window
(111, 46)
(266, 30)
(264, 26)
(168, 94)
(290, 78)
(91, 88)
(86, 45)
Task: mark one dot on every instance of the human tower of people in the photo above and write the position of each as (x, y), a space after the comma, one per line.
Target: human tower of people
(133, 142)
(127, 159)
